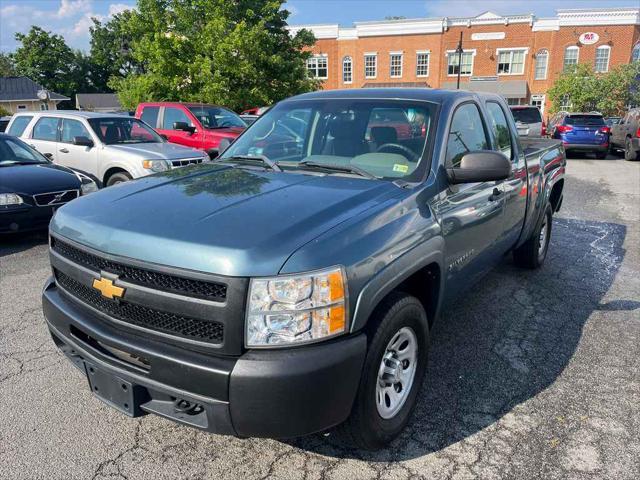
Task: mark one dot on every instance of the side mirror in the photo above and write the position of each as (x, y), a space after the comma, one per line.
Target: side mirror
(83, 141)
(184, 126)
(480, 166)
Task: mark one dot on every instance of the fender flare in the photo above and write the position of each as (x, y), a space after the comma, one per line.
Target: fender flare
(387, 279)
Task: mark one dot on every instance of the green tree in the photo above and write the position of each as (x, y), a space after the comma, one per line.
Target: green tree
(620, 88)
(110, 52)
(4, 112)
(46, 59)
(578, 87)
(238, 53)
(7, 68)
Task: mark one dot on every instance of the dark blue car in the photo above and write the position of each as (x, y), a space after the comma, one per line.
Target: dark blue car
(32, 188)
(583, 132)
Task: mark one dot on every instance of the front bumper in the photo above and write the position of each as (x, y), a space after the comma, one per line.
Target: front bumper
(278, 393)
(24, 218)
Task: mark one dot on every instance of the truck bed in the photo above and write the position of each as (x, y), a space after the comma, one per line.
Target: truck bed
(533, 146)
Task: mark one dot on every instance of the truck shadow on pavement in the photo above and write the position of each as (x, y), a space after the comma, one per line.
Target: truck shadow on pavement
(507, 340)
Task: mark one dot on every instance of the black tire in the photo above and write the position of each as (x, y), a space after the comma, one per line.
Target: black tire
(531, 254)
(629, 153)
(366, 428)
(118, 177)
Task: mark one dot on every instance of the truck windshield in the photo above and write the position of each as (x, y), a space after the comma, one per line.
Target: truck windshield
(216, 117)
(382, 138)
(123, 130)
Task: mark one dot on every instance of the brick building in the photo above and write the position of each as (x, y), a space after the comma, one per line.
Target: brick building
(518, 56)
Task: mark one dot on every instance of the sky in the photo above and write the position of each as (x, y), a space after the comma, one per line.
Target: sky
(72, 18)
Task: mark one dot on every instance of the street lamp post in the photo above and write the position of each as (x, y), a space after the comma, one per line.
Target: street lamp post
(459, 52)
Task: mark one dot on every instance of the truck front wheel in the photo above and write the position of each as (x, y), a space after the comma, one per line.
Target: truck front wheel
(393, 372)
(531, 254)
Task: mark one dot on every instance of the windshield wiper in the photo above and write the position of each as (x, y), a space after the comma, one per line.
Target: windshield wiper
(339, 168)
(260, 158)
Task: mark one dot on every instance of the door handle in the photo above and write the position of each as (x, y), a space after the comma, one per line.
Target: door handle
(32, 145)
(64, 150)
(495, 195)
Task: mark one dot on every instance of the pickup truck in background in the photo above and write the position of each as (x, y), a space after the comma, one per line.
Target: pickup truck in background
(290, 286)
(193, 125)
(625, 135)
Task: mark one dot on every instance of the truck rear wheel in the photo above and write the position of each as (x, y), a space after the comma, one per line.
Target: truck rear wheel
(629, 152)
(118, 177)
(531, 254)
(392, 374)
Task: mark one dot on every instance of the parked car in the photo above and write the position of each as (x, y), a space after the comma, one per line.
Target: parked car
(4, 121)
(193, 125)
(255, 111)
(625, 135)
(32, 188)
(583, 132)
(611, 121)
(249, 118)
(290, 286)
(528, 120)
(109, 148)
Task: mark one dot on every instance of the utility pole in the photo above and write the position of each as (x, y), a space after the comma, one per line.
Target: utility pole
(459, 52)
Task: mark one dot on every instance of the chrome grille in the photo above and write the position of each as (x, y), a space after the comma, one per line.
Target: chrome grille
(55, 198)
(183, 162)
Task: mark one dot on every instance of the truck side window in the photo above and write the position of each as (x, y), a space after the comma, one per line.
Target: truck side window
(467, 134)
(46, 129)
(72, 128)
(19, 125)
(173, 115)
(500, 128)
(150, 116)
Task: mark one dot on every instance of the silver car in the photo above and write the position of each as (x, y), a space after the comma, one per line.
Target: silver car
(528, 120)
(109, 148)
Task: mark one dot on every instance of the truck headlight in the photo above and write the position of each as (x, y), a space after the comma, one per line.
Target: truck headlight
(7, 199)
(156, 165)
(293, 309)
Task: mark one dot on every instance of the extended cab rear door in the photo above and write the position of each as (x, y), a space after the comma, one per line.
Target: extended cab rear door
(470, 214)
(505, 140)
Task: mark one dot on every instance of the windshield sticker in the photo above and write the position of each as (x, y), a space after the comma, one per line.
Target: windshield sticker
(400, 168)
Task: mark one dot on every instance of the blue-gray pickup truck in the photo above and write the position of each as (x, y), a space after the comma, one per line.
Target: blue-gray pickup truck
(289, 286)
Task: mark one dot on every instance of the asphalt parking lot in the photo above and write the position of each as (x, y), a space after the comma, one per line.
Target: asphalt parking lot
(531, 375)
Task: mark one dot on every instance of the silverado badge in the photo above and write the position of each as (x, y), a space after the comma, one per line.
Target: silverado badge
(107, 288)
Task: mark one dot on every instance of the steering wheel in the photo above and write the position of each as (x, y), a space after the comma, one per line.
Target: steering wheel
(410, 154)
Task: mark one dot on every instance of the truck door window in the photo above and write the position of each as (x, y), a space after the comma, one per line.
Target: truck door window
(19, 125)
(72, 128)
(467, 134)
(500, 129)
(46, 129)
(173, 115)
(150, 116)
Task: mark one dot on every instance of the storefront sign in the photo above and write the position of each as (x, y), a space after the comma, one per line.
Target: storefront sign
(589, 38)
(488, 36)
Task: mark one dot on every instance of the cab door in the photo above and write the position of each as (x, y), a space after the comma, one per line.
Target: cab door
(470, 214)
(44, 137)
(77, 157)
(170, 116)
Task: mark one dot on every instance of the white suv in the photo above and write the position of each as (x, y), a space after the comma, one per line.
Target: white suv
(109, 148)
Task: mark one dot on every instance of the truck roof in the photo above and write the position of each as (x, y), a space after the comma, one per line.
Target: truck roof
(70, 113)
(435, 95)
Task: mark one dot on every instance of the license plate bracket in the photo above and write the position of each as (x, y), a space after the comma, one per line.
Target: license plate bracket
(114, 391)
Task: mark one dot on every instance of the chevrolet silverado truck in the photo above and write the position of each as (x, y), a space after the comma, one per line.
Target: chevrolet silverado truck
(290, 286)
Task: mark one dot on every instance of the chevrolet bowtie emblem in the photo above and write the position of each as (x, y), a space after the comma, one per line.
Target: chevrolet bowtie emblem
(107, 288)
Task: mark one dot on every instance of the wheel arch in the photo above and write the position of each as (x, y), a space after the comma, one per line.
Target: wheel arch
(112, 170)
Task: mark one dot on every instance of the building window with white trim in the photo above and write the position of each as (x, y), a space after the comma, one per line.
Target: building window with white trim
(565, 103)
(602, 58)
(422, 64)
(466, 67)
(318, 67)
(570, 58)
(635, 53)
(347, 70)
(21, 107)
(538, 101)
(370, 65)
(542, 61)
(395, 65)
(511, 62)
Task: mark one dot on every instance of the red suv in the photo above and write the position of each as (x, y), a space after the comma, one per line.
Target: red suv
(192, 124)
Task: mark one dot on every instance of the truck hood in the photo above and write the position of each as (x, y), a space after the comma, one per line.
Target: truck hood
(215, 218)
(156, 151)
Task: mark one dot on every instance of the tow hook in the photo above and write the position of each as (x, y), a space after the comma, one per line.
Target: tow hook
(181, 405)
